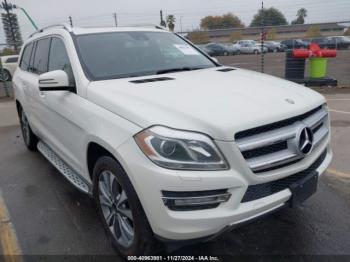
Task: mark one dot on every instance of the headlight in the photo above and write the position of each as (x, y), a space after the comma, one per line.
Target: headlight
(176, 149)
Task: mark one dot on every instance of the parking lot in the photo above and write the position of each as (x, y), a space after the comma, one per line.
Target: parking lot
(274, 64)
(50, 217)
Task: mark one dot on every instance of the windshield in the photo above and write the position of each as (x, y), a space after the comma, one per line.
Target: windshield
(130, 54)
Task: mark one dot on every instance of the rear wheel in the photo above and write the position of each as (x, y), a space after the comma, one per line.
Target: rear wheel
(5, 75)
(29, 138)
(120, 209)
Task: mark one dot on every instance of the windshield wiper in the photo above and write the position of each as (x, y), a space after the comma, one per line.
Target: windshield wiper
(178, 69)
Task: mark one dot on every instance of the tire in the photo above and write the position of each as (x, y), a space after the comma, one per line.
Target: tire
(226, 53)
(256, 52)
(120, 209)
(6, 76)
(29, 138)
(238, 52)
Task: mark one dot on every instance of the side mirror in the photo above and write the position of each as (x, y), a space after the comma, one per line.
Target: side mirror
(54, 81)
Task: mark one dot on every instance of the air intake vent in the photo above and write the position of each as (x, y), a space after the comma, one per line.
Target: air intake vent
(227, 69)
(149, 80)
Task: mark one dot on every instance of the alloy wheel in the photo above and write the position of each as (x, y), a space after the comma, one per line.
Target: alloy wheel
(115, 208)
(4, 76)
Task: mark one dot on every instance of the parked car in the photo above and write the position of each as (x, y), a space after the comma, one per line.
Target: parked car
(248, 47)
(214, 49)
(295, 43)
(340, 42)
(274, 46)
(324, 42)
(233, 49)
(9, 64)
(171, 145)
(265, 48)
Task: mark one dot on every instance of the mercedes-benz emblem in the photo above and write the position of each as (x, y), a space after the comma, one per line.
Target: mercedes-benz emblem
(305, 141)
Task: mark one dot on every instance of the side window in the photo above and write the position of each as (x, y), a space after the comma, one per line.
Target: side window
(12, 60)
(41, 56)
(59, 60)
(26, 57)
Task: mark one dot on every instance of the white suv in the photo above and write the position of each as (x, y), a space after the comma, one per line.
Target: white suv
(172, 145)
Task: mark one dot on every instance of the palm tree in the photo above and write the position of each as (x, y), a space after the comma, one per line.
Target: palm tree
(302, 12)
(170, 19)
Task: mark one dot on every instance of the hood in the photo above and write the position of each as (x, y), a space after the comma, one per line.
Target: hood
(208, 101)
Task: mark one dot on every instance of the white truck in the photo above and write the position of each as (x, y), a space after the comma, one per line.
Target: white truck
(171, 145)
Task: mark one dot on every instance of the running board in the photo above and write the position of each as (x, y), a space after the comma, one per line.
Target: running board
(65, 170)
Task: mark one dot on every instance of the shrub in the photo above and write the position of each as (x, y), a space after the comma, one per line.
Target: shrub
(313, 31)
(198, 37)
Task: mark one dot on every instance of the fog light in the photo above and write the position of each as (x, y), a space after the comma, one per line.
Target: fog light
(186, 201)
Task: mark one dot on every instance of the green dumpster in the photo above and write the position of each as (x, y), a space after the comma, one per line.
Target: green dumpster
(318, 67)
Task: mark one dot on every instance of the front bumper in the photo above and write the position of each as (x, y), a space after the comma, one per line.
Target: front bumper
(149, 180)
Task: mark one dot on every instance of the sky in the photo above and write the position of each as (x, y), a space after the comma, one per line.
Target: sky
(188, 12)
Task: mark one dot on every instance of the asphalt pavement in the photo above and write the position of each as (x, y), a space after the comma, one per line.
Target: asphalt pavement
(50, 217)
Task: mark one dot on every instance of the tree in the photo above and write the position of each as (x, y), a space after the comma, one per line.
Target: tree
(301, 14)
(271, 16)
(271, 34)
(221, 22)
(7, 51)
(170, 19)
(12, 31)
(198, 37)
(236, 36)
(313, 31)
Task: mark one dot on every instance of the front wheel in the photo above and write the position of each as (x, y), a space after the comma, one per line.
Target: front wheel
(29, 138)
(120, 209)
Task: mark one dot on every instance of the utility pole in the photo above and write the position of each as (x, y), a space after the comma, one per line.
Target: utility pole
(181, 24)
(115, 19)
(262, 37)
(162, 22)
(70, 21)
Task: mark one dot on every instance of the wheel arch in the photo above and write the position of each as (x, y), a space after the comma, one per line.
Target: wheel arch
(94, 152)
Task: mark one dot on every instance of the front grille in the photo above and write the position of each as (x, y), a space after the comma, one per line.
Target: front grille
(274, 146)
(255, 192)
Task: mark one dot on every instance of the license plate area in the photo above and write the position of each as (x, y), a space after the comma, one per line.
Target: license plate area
(304, 188)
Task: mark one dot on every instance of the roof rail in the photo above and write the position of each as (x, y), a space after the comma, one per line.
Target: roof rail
(62, 25)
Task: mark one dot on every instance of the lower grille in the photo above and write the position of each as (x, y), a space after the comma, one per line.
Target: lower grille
(255, 192)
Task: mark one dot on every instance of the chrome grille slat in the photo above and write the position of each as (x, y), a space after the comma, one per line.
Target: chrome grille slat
(272, 160)
(262, 159)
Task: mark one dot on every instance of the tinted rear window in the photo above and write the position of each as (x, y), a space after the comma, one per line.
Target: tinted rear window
(12, 60)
